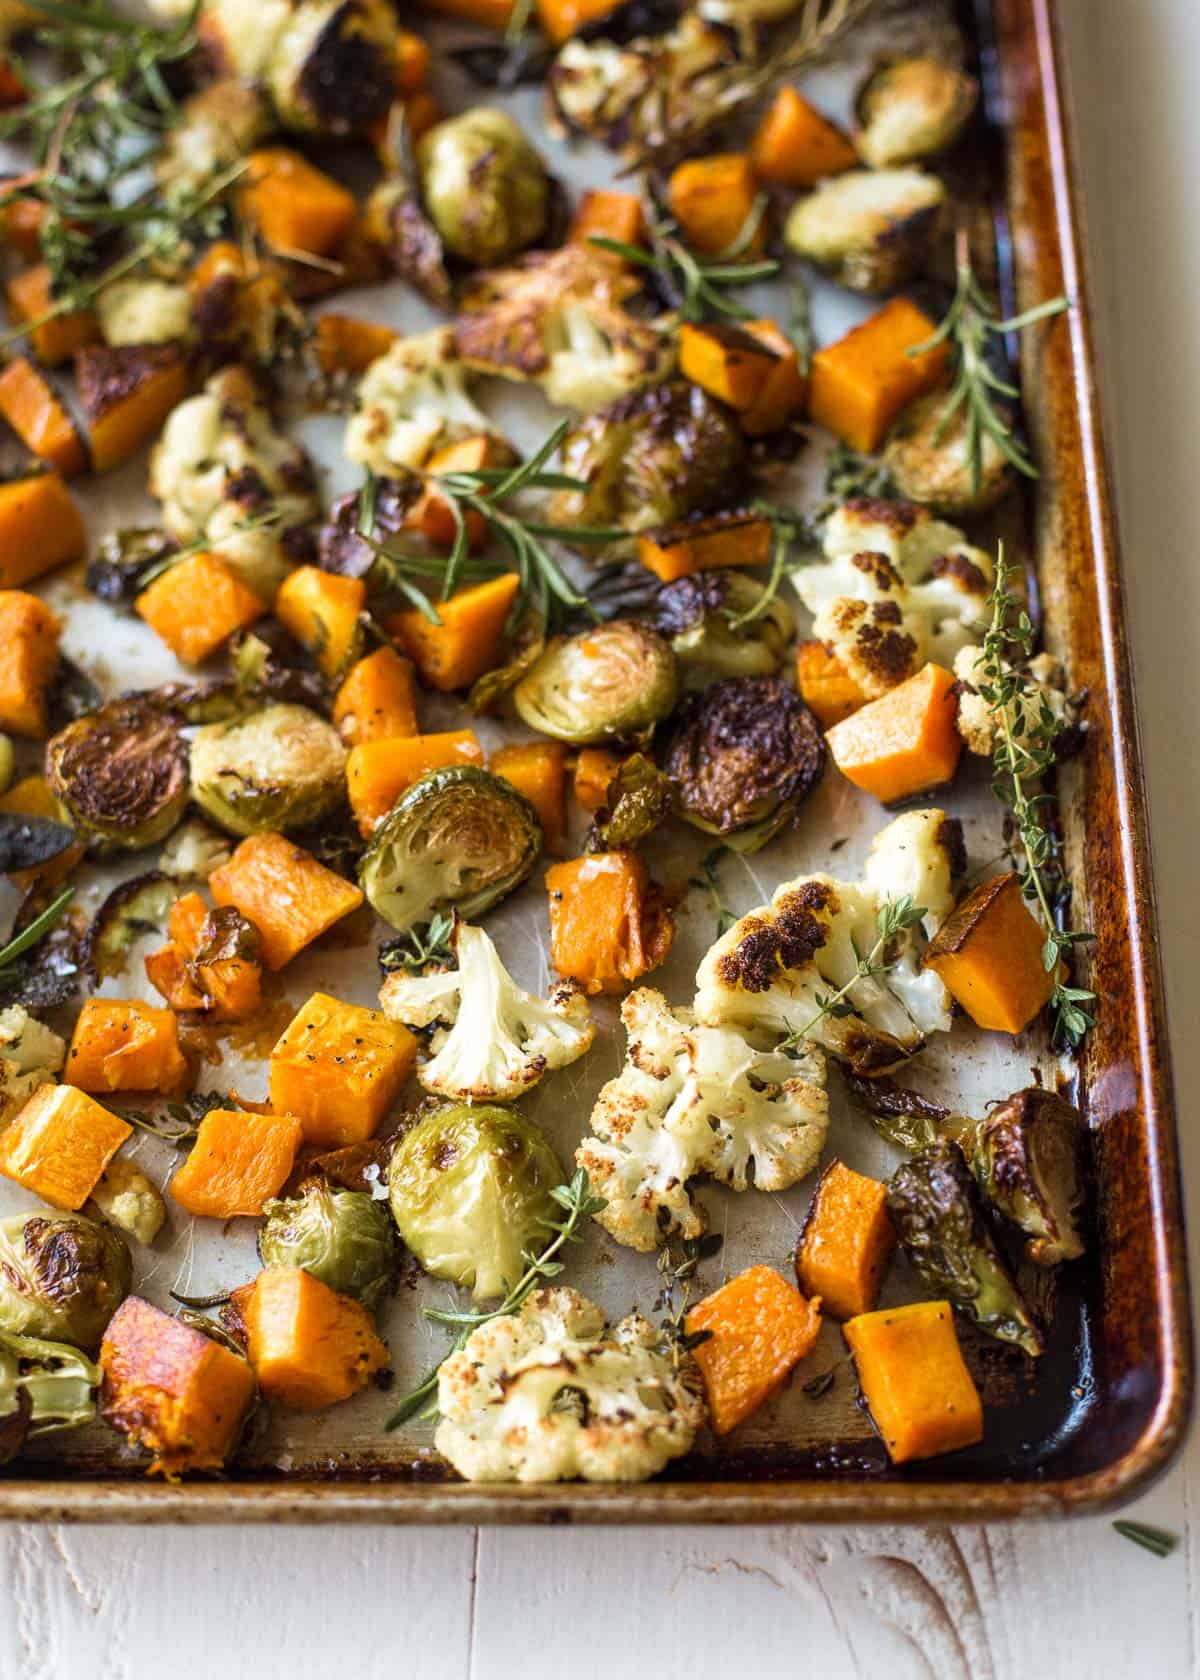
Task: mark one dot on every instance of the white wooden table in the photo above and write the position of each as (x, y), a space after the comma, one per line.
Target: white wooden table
(954, 1604)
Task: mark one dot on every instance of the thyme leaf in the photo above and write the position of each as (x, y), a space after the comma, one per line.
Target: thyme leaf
(678, 1273)
(420, 947)
(706, 880)
(895, 916)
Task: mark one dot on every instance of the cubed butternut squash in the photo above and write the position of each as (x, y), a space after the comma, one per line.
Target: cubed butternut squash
(846, 1242)
(197, 604)
(725, 360)
(323, 611)
(989, 956)
(431, 514)
(784, 391)
(760, 1328)
(608, 924)
(713, 200)
(238, 1161)
(826, 687)
(412, 62)
(608, 215)
(339, 1068)
(377, 772)
(346, 344)
(40, 528)
(122, 1044)
(795, 146)
(911, 1371)
(905, 742)
(21, 222)
(285, 892)
(293, 206)
(706, 544)
(378, 699)
(468, 641)
(538, 769)
(126, 392)
(29, 637)
(858, 385)
(53, 338)
(167, 971)
(172, 1390)
(32, 408)
(59, 1144)
(309, 1346)
(13, 90)
(594, 770)
(211, 961)
(559, 18)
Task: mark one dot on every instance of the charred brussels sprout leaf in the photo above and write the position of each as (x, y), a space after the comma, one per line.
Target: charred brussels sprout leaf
(280, 768)
(44, 1385)
(936, 1208)
(1027, 1157)
(485, 188)
(471, 1192)
(61, 1277)
(743, 756)
(345, 1238)
(126, 562)
(902, 1116)
(263, 671)
(639, 798)
(456, 839)
(134, 908)
(716, 623)
(28, 842)
(72, 695)
(121, 772)
(613, 682)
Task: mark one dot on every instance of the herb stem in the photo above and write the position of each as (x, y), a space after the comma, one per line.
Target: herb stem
(37, 929)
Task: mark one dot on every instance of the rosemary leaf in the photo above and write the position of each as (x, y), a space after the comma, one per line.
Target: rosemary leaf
(1160, 1541)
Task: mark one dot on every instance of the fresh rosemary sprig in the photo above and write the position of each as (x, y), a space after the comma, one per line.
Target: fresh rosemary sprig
(578, 1203)
(969, 324)
(416, 950)
(895, 916)
(696, 286)
(1024, 753)
(678, 1275)
(706, 880)
(1160, 1541)
(37, 929)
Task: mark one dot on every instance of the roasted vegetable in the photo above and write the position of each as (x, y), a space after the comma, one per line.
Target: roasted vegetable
(126, 393)
(59, 1145)
(608, 922)
(903, 743)
(281, 769)
(759, 1328)
(826, 687)
(29, 637)
(718, 625)
(378, 772)
(612, 682)
(40, 528)
(638, 798)
(913, 1377)
(32, 407)
(702, 544)
(412, 402)
(989, 956)
(743, 756)
(121, 772)
(133, 908)
(238, 1162)
(62, 1278)
(859, 384)
(217, 126)
(377, 701)
(293, 206)
(289, 897)
(870, 229)
(309, 1346)
(936, 1208)
(846, 1242)
(538, 769)
(344, 1238)
(43, 1386)
(197, 604)
(324, 614)
(457, 839)
(1027, 1158)
(911, 108)
(53, 336)
(30, 1055)
(338, 1068)
(468, 640)
(122, 1044)
(484, 186)
(470, 1192)
(795, 146)
(128, 1200)
(929, 460)
(332, 67)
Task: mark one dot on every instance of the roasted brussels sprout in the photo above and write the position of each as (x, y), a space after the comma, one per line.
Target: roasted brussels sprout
(44, 1385)
(717, 625)
(742, 756)
(124, 562)
(61, 1277)
(121, 772)
(332, 70)
(485, 188)
(345, 1238)
(911, 108)
(470, 1190)
(929, 462)
(639, 798)
(613, 682)
(649, 459)
(132, 909)
(281, 768)
(870, 229)
(456, 839)
(1027, 1158)
(938, 1213)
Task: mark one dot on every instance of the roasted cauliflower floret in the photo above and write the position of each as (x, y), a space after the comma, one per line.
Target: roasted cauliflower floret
(912, 108)
(143, 310)
(772, 969)
(558, 319)
(128, 1200)
(412, 402)
(1045, 702)
(30, 1055)
(550, 1394)
(497, 1040)
(871, 229)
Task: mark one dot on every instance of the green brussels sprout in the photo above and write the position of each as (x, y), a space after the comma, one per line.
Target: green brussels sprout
(128, 913)
(280, 768)
(484, 186)
(911, 108)
(458, 838)
(1027, 1158)
(743, 756)
(720, 623)
(650, 459)
(612, 682)
(44, 1385)
(121, 772)
(470, 1189)
(62, 1277)
(638, 800)
(929, 461)
(938, 1213)
(870, 229)
(345, 1238)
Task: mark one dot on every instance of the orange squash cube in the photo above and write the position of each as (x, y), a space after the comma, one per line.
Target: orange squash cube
(858, 386)
(795, 146)
(594, 770)
(608, 215)
(725, 360)
(197, 604)
(761, 1328)
(55, 340)
(294, 206)
(707, 544)
(310, 1347)
(324, 613)
(988, 954)
(826, 687)
(378, 772)
(289, 896)
(40, 528)
(608, 925)
(412, 62)
(467, 642)
(538, 769)
(378, 699)
(913, 1377)
(32, 408)
(238, 1161)
(339, 1068)
(345, 344)
(126, 392)
(785, 389)
(846, 1242)
(29, 634)
(559, 18)
(122, 1044)
(903, 743)
(712, 199)
(59, 1144)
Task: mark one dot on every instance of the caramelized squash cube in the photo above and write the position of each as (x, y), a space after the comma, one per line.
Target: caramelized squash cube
(285, 892)
(913, 1377)
(761, 1327)
(59, 1144)
(122, 1044)
(238, 1161)
(846, 1242)
(988, 954)
(339, 1068)
(309, 1346)
(197, 604)
(29, 634)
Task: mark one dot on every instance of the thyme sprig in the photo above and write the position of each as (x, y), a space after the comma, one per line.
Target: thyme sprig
(578, 1204)
(969, 325)
(696, 286)
(37, 929)
(418, 949)
(1028, 730)
(1160, 1541)
(706, 880)
(678, 1273)
(895, 916)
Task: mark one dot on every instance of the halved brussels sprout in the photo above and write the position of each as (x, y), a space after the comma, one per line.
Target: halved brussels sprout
(936, 1208)
(638, 799)
(121, 772)
(345, 1238)
(929, 462)
(485, 188)
(613, 682)
(134, 908)
(458, 839)
(742, 756)
(871, 229)
(1027, 1158)
(707, 620)
(44, 1385)
(62, 1277)
(470, 1191)
(281, 768)
(910, 109)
